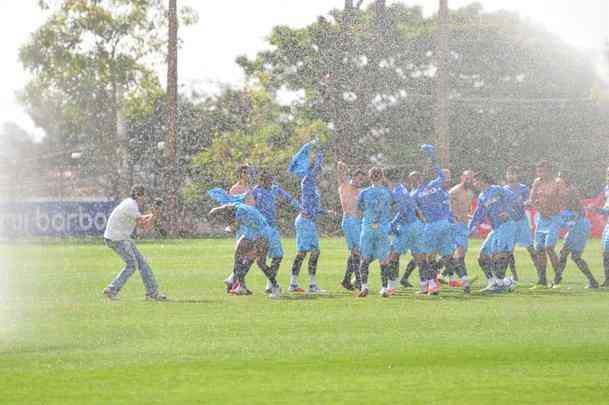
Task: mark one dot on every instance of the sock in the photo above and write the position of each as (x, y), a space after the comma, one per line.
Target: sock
(297, 265)
(312, 279)
(606, 266)
(562, 265)
(349, 270)
(583, 267)
(294, 280)
(485, 264)
(412, 264)
(356, 265)
(313, 264)
(512, 265)
(243, 267)
(542, 265)
(275, 263)
(385, 269)
(363, 271)
(395, 270)
(460, 268)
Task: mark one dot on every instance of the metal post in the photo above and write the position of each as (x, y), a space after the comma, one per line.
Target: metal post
(441, 125)
(172, 133)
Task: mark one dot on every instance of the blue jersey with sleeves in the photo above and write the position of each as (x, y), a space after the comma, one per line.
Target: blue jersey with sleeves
(521, 192)
(250, 217)
(406, 206)
(375, 204)
(432, 199)
(310, 199)
(495, 203)
(266, 199)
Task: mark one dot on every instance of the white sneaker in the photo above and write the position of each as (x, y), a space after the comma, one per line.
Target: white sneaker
(314, 289)
(295, 288)
(275, 292)
(241, 291)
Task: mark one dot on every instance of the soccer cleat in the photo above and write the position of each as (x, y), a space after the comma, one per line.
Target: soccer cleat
(240, 290)
(490, 288)
(406, 284)
(387, 292)
(435, 290)
(275, 292)
(295, 288)
(314, 289)
(346, 284)
(556, 286)
(592, 285)
(363, 293)
(156, 296)
(110, 293)
(229, 285)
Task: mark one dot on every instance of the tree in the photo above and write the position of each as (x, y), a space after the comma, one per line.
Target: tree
(87, 61)
(373, 86)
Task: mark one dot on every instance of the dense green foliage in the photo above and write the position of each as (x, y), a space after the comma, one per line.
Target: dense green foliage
(61, 343)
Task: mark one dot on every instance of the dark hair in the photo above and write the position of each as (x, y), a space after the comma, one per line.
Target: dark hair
(486, 178)
(376, 174)
(359, 172)
(513, 169)
(242, 168)
(393, 174)
(137, 190)
(544, 163)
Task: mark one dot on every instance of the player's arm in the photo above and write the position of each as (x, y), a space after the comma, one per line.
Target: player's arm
(477, 218)
(533, 194)
(146, 222)
(286, 197)
(341, 173)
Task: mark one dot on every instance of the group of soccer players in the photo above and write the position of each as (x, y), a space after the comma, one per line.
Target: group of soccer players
(429, 219)
(385, 221)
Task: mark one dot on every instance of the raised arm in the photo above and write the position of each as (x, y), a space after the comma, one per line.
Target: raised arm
(286, 197)
(477, 218)
(533, 194)
(341, 173)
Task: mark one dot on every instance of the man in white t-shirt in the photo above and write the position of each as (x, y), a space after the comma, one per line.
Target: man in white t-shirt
(121, 225)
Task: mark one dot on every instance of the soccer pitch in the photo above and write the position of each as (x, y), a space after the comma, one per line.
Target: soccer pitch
(62, 343)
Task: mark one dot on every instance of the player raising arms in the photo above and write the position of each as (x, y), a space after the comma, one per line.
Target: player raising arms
(408, 228)
(523, 227)
(252, 244)
(307, 239)
(548, 196)
(461, 197)
(579, 230)
(375, 205)
(432, 201)
(348, 190)
(496, 204)
(265, 195)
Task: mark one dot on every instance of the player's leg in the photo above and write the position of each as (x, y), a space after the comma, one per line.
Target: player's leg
(124, 249)
(150, 283)
(352, 230)
(562, 264)
(410, 267)
(303, 239)
(485, 260)
(551, 240)
(542, 259)
(275, 253)
(383, 253)
(262, 251)
(458, 258)
(245, 255)
(314, 249)
(605, 244)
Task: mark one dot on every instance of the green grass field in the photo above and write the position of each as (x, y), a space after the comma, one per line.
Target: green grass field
(61, 343)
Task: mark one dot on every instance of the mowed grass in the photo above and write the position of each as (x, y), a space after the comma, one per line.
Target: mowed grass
(61, 343)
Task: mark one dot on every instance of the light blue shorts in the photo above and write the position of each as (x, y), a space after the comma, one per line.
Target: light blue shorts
(439, 238)
(524, 235)
(307, 238)
(461, 236)
(547, 231)
(275, 248)
(352, 229)
(409, 237)
(375, 242)
(578, 235)
(500, 240)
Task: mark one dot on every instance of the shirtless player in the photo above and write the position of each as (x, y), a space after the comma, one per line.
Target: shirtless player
(348, 191)
(548, 195)
(461, 197)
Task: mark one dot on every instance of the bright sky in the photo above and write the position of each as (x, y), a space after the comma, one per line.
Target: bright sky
(227, 29)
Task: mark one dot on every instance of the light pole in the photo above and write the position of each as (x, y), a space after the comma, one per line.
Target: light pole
(172, 101)
(441, 125)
